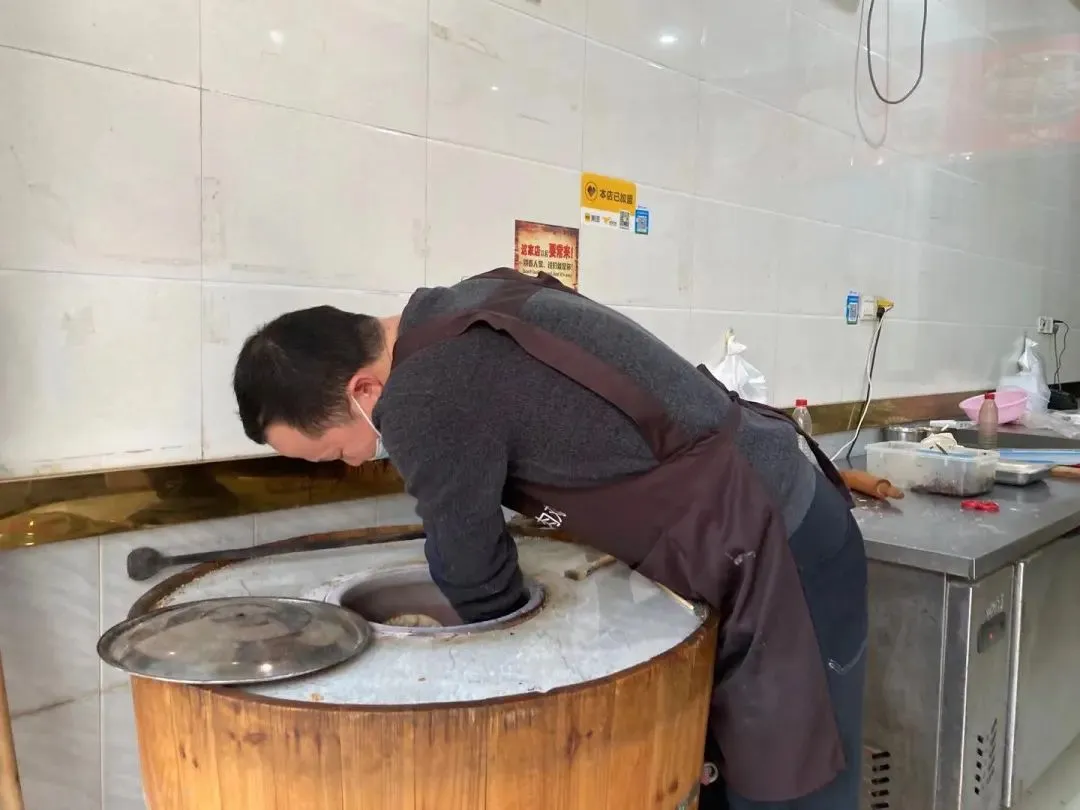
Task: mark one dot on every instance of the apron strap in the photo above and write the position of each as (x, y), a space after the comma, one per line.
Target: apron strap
(824, 462)
(541, 279)
(501, 313)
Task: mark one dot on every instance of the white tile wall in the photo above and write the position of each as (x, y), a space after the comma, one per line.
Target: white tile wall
(60, 755)
(49, 656)
(500, 82)
(159, 39)
(272, 526)
(97, 371)
(297, 198)
(174, 174)
(362, 61)
(99, 171)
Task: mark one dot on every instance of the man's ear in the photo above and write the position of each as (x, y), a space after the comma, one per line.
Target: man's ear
(363, 385)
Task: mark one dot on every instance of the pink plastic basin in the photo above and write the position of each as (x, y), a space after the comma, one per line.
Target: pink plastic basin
(1011, 402)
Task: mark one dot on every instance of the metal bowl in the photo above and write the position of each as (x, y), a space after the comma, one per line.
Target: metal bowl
(906, 433)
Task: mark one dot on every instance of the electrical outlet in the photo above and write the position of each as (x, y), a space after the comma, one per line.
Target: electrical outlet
(1046, 325)
(868, 310)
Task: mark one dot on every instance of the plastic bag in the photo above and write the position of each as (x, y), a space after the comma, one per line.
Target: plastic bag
(1023, 369)
(1060, 423)
(736, 372)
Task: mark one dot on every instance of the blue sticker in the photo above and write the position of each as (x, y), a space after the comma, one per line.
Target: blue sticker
(641, 221)
(851, 308)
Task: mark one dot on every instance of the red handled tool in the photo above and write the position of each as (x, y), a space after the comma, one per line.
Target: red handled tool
(980, 506)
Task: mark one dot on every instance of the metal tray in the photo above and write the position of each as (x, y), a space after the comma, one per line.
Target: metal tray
(1021, 473)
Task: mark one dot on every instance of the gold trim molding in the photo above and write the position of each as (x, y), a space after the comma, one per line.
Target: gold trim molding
(47, 510)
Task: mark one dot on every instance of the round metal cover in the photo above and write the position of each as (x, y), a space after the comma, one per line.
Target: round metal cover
(235, 640)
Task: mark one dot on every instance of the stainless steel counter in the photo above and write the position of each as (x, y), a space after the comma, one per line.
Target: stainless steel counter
(973, 658)
(932, 533)
(1018, 436)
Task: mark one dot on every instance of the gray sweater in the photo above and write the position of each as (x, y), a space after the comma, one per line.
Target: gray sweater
(460, 417)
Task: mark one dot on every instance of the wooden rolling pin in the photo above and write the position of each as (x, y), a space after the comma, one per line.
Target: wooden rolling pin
(10, 789)
(866, 484)
(1066, 472)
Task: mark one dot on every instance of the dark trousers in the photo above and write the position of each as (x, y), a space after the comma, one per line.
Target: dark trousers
(829, 552)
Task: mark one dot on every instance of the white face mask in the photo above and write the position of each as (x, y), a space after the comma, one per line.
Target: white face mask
(380, 451)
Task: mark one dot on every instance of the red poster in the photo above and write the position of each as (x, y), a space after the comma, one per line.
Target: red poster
(551, 249)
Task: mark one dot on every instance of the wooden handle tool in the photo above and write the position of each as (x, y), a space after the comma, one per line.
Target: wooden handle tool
(10, 790)
(1072, 473)
(585, 571)
(145, 563)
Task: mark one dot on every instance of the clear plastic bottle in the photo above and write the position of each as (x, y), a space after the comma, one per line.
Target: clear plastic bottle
(988, 423)
(801, 415)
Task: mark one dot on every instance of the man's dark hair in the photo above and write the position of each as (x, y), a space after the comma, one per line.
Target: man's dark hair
(294, 370)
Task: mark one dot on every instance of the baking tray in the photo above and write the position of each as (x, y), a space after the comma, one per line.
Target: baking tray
(1021, 473)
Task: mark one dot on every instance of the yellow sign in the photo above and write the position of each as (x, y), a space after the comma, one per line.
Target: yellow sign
(551, 249)
(599, 193)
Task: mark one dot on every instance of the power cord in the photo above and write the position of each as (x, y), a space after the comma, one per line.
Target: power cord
(871, 361)
(1059, 356)
(870, 57)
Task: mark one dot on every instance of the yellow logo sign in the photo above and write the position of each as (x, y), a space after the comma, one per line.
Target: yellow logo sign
(607, 193)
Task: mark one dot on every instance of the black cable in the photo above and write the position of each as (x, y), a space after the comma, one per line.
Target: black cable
(869, 384)
(870, 57)
(1057, 362)
(1059, 356)
(1064, 344)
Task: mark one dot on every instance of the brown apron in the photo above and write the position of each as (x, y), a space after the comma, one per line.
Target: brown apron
(701, 524)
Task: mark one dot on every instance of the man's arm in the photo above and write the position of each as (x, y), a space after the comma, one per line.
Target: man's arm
(454, 461)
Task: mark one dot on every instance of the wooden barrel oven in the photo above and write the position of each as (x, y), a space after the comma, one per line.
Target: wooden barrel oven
(595, 700)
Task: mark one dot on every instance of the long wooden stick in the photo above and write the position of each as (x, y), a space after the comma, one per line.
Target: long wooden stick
(588, 569)
(10, 789)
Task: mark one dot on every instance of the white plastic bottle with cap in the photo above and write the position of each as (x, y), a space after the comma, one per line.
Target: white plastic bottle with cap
(801, 415)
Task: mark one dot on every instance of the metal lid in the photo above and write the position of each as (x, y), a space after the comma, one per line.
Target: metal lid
(235, 640)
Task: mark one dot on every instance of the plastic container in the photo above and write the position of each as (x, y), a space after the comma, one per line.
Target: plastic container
(962, 471)
(1011, 404)
(988, 423)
